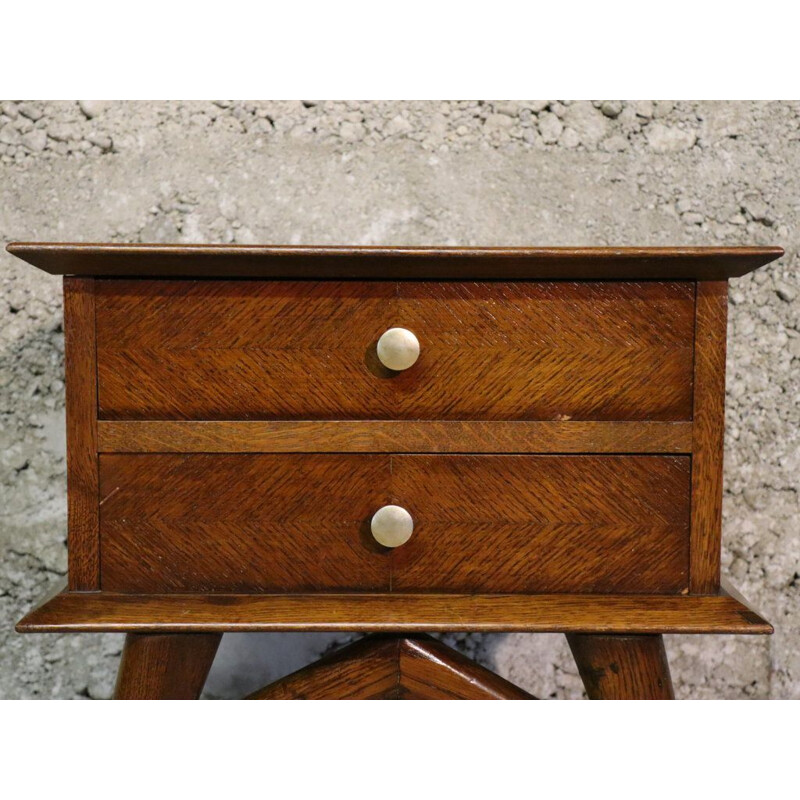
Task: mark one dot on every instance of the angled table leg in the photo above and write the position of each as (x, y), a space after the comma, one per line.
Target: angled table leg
(622, 667)
(165, 666)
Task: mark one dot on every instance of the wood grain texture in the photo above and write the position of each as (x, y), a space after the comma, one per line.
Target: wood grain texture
(709, 435)
(214, 392)
(392, 436)
(395, 263)
(223, 350)
(81, 401)
(482, 523)
(393, 668)
(622, 667)
(365, 670)
(165, 666)
(543, 523)
(430, 670)
(242, 523)
(399, 612)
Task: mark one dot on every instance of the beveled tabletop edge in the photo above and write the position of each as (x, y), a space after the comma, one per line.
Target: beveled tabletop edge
(396, 263)
(68, 611)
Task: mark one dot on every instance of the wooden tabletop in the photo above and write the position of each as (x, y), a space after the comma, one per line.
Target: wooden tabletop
(393, 263)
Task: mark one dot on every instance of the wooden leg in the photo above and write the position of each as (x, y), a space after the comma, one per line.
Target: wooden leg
(165, 666)
(622, 667)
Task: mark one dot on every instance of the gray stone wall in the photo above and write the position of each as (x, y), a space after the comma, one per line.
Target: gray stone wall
(467, 173)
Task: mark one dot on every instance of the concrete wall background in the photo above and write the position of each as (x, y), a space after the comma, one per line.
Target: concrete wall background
(467, 173)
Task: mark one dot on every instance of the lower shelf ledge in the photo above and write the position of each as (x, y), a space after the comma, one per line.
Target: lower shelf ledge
(98, 612)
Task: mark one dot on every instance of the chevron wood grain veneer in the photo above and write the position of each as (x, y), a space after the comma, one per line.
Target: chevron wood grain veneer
(305, 350)
(538, 437)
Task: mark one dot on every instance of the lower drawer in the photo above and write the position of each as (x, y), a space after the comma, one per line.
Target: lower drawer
(292, 523)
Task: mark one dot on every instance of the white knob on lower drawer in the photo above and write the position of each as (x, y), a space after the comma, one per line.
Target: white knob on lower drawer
(392, 526)
(398, 349)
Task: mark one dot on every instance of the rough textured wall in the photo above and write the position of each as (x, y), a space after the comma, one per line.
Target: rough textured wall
(467, 173)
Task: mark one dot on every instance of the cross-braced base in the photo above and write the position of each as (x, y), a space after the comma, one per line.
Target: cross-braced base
(393, 667)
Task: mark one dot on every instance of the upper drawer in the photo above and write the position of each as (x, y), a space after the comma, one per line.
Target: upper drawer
(307, 350)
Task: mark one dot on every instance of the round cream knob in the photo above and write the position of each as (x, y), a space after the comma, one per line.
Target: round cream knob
(398, 349)
(392, 526)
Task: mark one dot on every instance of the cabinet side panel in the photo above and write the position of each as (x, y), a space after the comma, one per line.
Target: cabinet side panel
(81, 396)
(709, 432)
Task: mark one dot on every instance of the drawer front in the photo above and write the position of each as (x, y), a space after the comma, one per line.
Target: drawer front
(242, 523)
(307, 350)
(286, 523)
(544, 523)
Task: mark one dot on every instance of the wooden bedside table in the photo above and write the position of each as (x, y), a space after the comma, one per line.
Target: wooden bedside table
(394, 441)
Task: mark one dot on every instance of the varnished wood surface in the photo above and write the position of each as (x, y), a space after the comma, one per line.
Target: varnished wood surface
(365, 670)
(393, 668)
(433, 263)
(81, 401)
(709, 435)
(399, 612)
(249, 523)
(392, 436)
(165, 666)
(298, 368)
(224, 350)
(622, 667)
(432, 671)
(242, 523)
(543, 523)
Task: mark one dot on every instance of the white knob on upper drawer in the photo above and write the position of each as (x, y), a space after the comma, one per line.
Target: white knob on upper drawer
(392, 526)
(398, 349)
